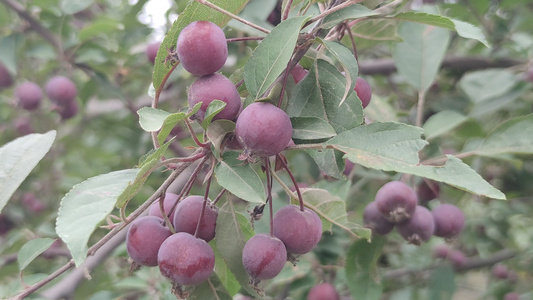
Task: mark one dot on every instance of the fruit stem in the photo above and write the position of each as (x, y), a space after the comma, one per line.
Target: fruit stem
(193, 135)
(201, 217)
(213, 6)
(300, 199)
(165, 217)
(269, 194)
(349, 31)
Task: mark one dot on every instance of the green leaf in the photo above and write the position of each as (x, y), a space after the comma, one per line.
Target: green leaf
(320, 94)
(442, 122)
(240, 179)
(355, 11)
(418, 57)
(361, 261)
(463, 29)
(152, 119)
(369, 32)
(332, 211)
(270, 58)
(8, 51)
(224, 274)
(395, 146)
(330, 161)
(503, 102)
(348, 63)
(172, 120)
(31, 250)
(217, 131)
(232, 232)
(146, 167)
(72, 7)
(213, 289)
(100, 26)
(18, 158)
(485, 84)
(212, 110)
(513, 136)
(442, 283)
(86, 205)
(311, 128)
(193, 12)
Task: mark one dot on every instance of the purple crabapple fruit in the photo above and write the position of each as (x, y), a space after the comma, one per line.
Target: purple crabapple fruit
(263, 129)
(187, 214)
(5, 78)
(185, 259)
(441, 251)
(449, 221)
(144, 237)
(170, 199)
(68, 110)
(500, 271)
(23, 125)
(427, 190)
(263, 257)
(300, 231)
(61, 90)
(396, 201)
(363, 91)
(323, 291)
(457, 258)
(151, 51)
(202, 48)
(29, 95)
(375, 220)
(298, 73)
(348, 167)
(419, 228)
(215, 87)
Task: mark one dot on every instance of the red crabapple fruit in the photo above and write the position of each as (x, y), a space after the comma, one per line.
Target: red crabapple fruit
(363, 91)
(187, 215)
(151, 51)
(215, 87)
(396, 201)
(185, 259)
(29, 95)
(144, 237)
(61, 90)
(263, 257)
(375, 220)
(449, 221)
(323, 291)
(263, 129)
(300, 231)
(419, 228)
(202, 48)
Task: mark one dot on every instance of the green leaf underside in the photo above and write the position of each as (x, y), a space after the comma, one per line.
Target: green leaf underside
(463, 29)
(361, 261)
(442, 123)
(270, 58)
(151, 119)
(332, 211)
(351, 12)
(232, 232)
(239, 178)
(486, 84)
(86, 205)
(311, 128)
(31, 250)
(348, 63)
(330, 161)
(418, 57)
(193, 12)
(227, 279)
(395, 146)
(18, 158)
(320, 94)
(212, 110)
(146, 168)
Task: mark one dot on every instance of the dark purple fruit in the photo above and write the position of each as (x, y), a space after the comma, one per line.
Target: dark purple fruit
(151, 51)
(298, 73)
(186, 260)
(300, 231)
(168, 203)
(263, 129)
(61, 90)
(441, 251)
(449, 220)
(323, 291)
(145, 236)
(202, 48)
(419, 228)
(263, 257)
(29, 95)
(500, 271)
(396, 201)
(363, 91)
(457, 258)
(5, 78)
(187, 215)
(68, 109)
(375, 220)
(348, 167)
(5, 224)
(215, 87)
(427, 190)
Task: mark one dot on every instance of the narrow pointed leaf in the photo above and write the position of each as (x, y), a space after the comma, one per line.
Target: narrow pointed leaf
(311, 128)
(442, 123)
(351, 12)
(212, 110)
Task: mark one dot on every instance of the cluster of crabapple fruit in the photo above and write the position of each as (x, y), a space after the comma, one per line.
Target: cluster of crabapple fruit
(395, 204)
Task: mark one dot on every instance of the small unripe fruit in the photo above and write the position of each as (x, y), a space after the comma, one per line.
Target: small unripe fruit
(215, 87)
(375, 220)
(263, 129)
(300, 231)
(396, 201)
(419, 228)
(263, 257)
(144, 237)
(151, 51)
(29, 95)
(202, 48)
(323, 291)
(186, 260)
(61, 90)
(168, 203)
(449, 220)
(5, 78)
(363, 91)
(187, 215)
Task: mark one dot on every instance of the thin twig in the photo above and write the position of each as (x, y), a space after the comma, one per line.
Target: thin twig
(300, 198)
(246, 38)
(204, 204)
(332, 10)
(233, 16)
(420, 107)
(285, 14)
